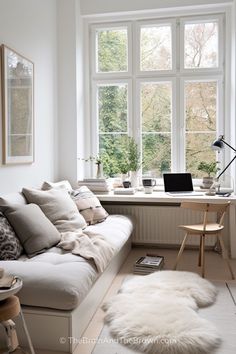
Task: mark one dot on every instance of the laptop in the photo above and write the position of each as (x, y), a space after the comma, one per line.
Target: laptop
(179, 184)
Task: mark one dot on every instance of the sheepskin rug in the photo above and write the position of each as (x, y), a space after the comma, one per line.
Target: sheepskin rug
(157, 313)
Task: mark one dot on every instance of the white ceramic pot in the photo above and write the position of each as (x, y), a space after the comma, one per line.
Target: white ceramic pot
(207, 182)
(134, 179)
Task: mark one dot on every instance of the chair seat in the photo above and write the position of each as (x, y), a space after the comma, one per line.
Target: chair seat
(198, 228)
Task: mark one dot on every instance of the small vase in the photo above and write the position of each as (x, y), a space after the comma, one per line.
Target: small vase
(99, 171)
(207, 182)
(134, 178)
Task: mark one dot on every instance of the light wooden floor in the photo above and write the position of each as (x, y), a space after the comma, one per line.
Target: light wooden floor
(215, 270)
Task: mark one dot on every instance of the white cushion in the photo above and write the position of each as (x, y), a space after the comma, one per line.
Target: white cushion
(58, 206)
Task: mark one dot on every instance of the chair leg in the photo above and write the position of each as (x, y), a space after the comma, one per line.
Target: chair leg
(225, 256)
(27, 333)
(200, 253)
(180, 251)
(203, 255)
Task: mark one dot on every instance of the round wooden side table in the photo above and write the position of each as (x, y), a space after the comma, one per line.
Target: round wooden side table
(9, 309)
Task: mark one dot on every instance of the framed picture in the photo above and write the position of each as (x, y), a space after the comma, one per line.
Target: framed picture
(17, 79)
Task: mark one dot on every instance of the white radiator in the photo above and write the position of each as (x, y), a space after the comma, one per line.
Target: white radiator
(159, 224)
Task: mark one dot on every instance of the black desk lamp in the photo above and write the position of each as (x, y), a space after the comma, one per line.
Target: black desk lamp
(219, 145)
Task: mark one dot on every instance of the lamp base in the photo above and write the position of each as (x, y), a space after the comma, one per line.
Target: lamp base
(224, 191)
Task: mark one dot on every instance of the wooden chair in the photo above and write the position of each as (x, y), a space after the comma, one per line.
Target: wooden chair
(205, 229)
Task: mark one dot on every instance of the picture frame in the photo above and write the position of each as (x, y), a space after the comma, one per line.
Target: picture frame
(17, 101)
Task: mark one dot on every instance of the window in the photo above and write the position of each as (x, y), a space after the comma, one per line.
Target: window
(159, 81)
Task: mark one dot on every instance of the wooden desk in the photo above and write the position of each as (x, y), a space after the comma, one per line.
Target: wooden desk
(163, 199)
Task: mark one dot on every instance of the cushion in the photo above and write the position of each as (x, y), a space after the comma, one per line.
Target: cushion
(10, 247)
(11, 199)
(33, 228)
(89, 205)
(58, 206)
(57, 185)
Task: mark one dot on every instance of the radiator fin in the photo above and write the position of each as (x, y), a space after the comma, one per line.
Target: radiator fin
(159, 224)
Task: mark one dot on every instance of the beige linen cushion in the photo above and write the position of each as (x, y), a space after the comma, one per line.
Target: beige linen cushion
(57, 185)
(34, 230)
(89, 205)
(58, 206)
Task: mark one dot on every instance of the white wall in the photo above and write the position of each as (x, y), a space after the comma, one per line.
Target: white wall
(89, 7)
(29, 27)
(70, 90)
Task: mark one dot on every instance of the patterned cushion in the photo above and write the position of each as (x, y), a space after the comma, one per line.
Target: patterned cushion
(89, 205)
(10, 247)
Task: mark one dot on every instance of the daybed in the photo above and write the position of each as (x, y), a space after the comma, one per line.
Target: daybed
(61, 291)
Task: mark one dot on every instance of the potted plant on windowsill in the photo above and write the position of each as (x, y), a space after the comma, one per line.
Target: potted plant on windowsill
(128, 159)
(98, 162)
(210, 169)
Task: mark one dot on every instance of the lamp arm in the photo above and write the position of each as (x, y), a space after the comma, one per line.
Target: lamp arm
(231, 147)
(226, 166)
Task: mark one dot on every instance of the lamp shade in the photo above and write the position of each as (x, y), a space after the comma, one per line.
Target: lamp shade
(217, 144)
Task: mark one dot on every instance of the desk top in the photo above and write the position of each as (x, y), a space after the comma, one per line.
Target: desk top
(162, 197)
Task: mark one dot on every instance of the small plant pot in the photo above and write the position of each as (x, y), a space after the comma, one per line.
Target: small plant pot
(207, 182)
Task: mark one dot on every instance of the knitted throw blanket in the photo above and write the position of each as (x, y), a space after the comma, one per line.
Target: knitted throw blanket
(89, 246)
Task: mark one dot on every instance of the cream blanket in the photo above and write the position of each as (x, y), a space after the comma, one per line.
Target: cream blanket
(88, 245)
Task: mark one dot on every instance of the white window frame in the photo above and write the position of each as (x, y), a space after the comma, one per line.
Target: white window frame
(137, 30)
(173, 115)
(202, 19)
(219, 110)
(111, 75)
(95, 113)
(133, 75)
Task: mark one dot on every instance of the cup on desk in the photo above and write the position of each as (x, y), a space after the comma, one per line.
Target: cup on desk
(148, 184)
(126, 184)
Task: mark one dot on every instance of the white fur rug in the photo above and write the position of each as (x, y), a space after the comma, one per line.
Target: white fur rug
(157, 313)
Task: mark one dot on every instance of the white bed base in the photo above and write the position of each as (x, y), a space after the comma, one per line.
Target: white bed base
(54, 330)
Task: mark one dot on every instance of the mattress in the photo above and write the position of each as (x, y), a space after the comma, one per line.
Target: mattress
(57, 279)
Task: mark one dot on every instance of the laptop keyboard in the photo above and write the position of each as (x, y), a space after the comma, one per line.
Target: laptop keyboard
(179, 194)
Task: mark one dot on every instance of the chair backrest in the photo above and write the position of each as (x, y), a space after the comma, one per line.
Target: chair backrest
(220, 209)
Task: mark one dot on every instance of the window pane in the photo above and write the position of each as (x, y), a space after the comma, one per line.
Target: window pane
(112, 50)
(112, 108)
(201, 45)
(156, 107)
(155, 48)
(198, 148)
(156, 154)
(111, 149)
(201, 111)
(201, 105)
(156, 127)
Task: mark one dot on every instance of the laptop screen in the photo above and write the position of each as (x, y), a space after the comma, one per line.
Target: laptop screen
(178, 182)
